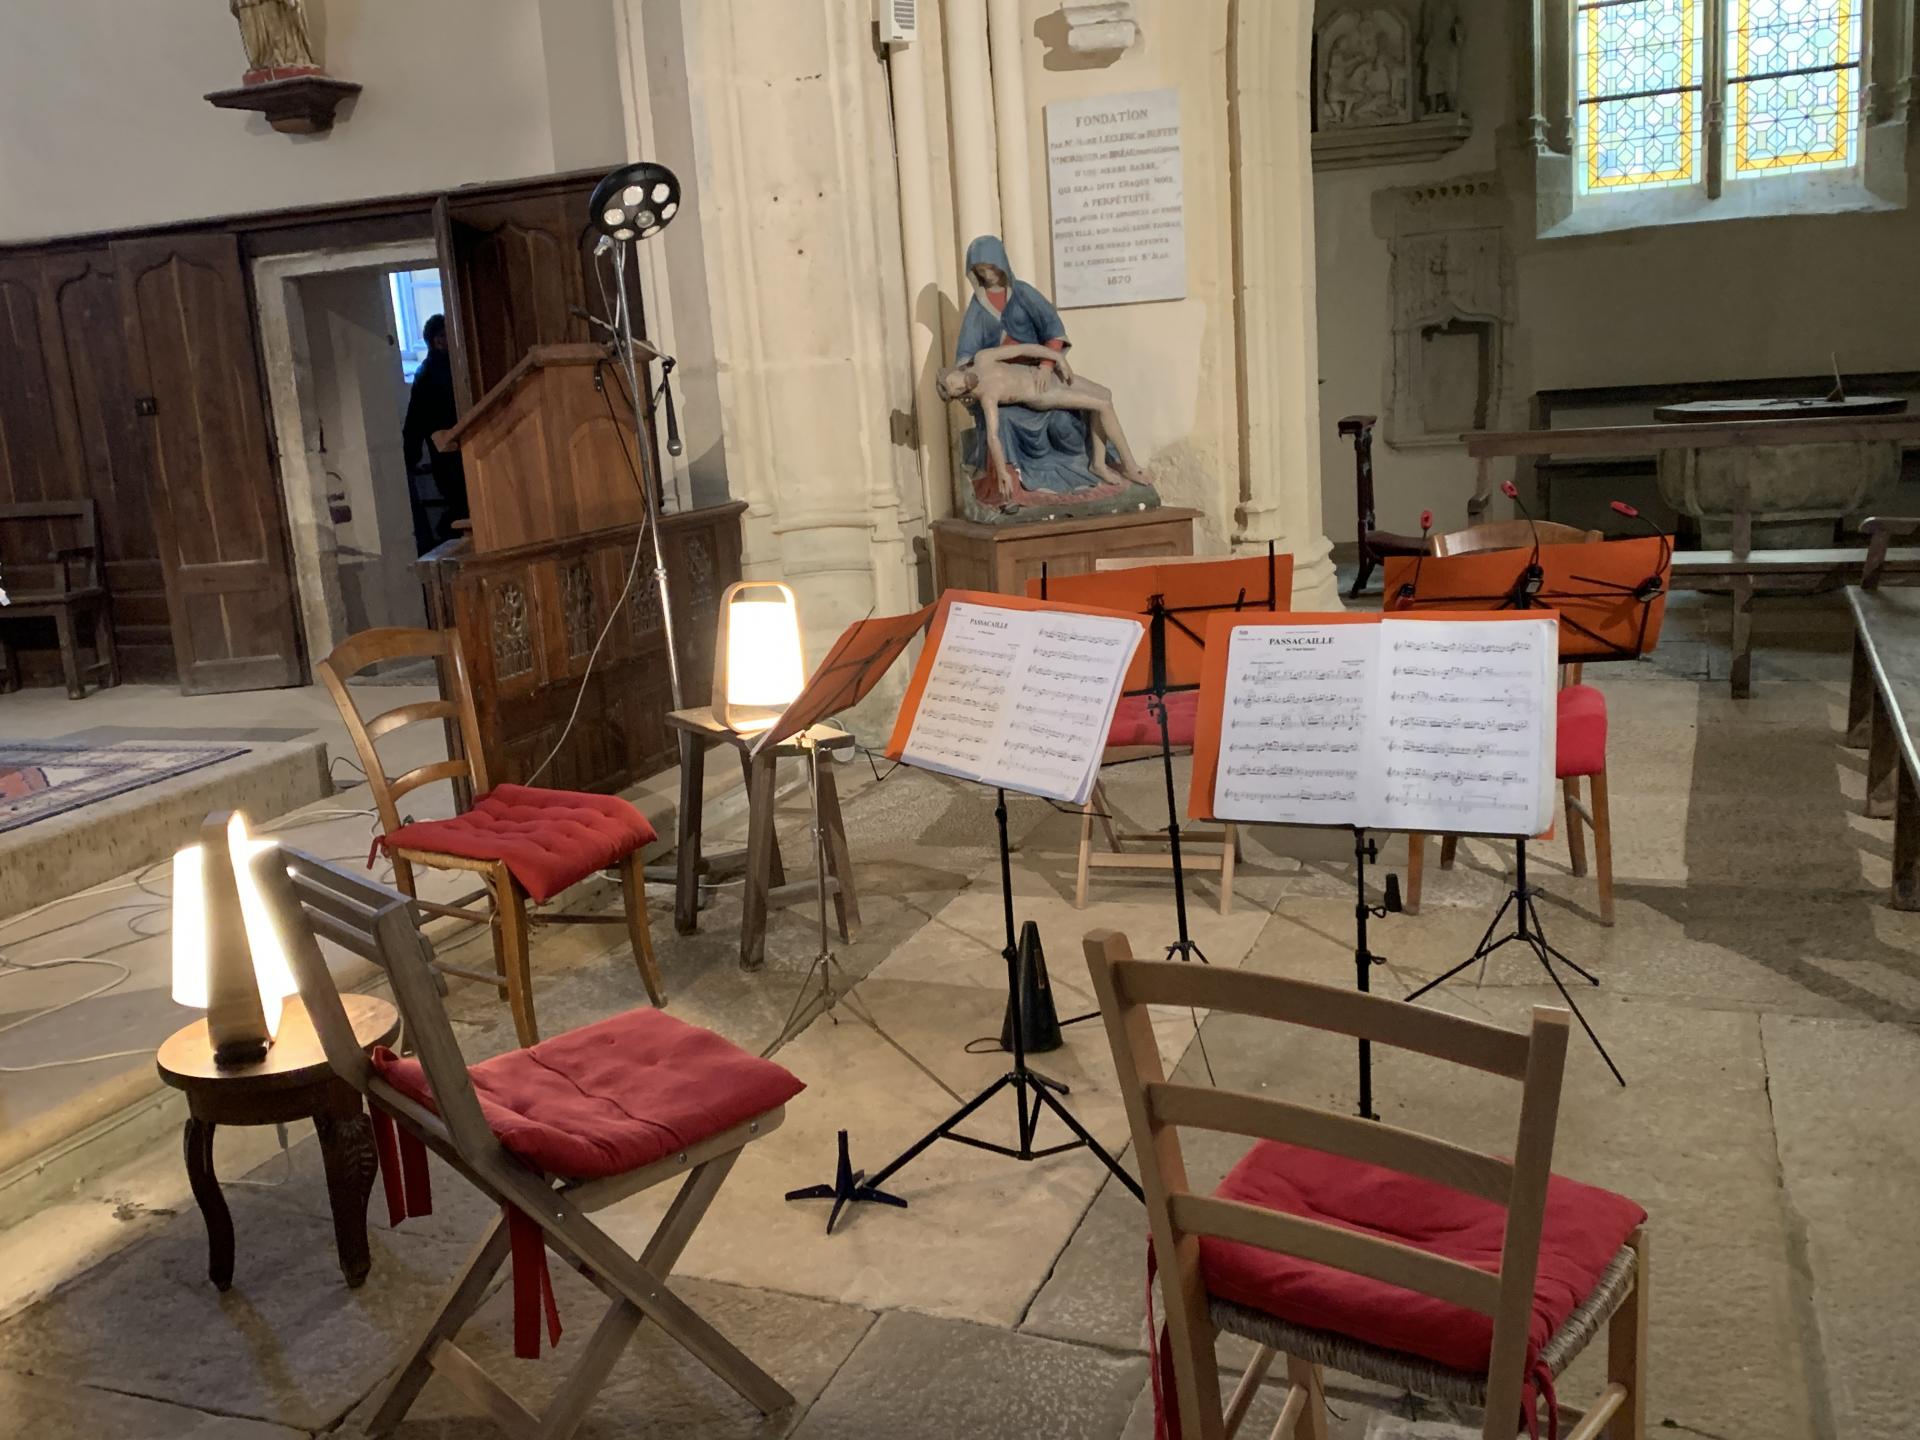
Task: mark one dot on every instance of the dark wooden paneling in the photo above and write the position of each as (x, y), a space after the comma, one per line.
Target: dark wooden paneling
(216, 515)
(529, 620)
(67, 431)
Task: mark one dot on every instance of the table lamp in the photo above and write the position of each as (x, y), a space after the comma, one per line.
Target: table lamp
(757, 666)
(227, 955)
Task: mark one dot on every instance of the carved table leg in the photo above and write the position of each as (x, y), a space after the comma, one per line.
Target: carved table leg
(198, 1144)
(346, 1149)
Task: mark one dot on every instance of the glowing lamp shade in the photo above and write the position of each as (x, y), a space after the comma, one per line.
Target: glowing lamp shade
(635, 202)
(758, 669)
(228, 957)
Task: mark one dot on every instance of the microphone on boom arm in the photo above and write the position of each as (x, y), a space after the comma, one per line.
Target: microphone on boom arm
(1648, 588)
(1526, 585)
(675, 446)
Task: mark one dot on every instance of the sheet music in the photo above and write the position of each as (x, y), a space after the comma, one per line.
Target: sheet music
(1401, 725)
(1293, 734)
(1469, 724)
(1022, 698)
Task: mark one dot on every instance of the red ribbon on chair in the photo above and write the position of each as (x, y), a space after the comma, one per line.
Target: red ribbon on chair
(532, 1287)
(403, 1164)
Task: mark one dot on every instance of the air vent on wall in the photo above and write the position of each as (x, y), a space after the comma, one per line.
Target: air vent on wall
(899, 21)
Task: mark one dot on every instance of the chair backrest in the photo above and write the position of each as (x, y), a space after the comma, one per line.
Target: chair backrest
(1881, 531)
(312, 899)
(39, 539)
(1509, 535)
(371, 647)
(1178, 1216)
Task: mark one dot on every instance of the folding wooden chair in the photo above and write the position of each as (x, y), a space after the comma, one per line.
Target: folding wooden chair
(552, 822)
(1582, 721)
(541, 1210)
(1354, 1244)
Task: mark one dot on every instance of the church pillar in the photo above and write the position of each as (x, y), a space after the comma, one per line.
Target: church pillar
(791, 154)
(976, 199)
(1279, 335)
(1010, 132)
(908, 66)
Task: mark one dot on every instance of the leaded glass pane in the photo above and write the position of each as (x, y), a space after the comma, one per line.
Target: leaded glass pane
(1637, 71)
(1791, 67)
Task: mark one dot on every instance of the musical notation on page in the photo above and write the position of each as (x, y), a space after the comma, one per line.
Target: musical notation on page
(1022, 699)
(1422, 724)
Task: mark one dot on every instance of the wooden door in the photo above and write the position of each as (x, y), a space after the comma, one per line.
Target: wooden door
(35, 464)
(518, 267)
(216, 510)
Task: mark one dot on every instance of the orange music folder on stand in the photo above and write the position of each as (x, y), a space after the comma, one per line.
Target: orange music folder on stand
(1188, 593)
(1611, 596)
(1387, 735)
(865, 651)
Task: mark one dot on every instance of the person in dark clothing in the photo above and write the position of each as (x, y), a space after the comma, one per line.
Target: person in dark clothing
(430, 408)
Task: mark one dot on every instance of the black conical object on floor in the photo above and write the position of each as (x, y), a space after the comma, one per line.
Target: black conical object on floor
(1040, 1022)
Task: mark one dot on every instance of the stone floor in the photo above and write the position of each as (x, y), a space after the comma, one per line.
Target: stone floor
(1758, 992)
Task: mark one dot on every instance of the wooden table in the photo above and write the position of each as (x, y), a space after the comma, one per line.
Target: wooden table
(1882, 707)
(759, 863)
(293, 1082)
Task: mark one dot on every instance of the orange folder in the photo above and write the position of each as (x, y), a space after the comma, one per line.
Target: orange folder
(1590, 586)
(1190, 593)
(1209, 717)
(917, 687)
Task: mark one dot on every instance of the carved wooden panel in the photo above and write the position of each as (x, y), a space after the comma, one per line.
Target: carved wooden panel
(530, 617)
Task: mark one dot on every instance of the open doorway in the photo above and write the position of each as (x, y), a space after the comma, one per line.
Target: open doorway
(344, 337)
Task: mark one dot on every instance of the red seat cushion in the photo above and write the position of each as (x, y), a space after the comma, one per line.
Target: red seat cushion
(549, 839)
(1584, 1229)
(1134, 722)
(613, 1096)
(1582, 745)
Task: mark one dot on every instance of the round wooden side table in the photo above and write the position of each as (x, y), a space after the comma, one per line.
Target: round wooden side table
(293, 1082)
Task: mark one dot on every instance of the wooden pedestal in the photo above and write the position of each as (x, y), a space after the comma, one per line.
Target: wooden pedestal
(1002, 558)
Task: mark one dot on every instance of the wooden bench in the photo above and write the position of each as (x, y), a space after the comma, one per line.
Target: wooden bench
(69, 585)
(1883, 705)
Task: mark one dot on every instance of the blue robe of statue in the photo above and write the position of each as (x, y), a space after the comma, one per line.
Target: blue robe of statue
(1049, 448)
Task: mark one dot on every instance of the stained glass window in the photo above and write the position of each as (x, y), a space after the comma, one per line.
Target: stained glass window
(1792, 84)
(1638, 72)
(1646, 72)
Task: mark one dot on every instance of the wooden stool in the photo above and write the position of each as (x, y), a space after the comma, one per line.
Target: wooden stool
(293, 1082)
(766, 881)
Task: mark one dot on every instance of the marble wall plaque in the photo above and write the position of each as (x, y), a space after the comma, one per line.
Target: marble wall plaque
(1118, 191)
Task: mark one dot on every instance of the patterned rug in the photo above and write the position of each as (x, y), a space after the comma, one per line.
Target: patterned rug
(40, 779)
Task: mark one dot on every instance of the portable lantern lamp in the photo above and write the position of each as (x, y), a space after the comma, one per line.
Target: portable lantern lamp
(227, 955)
(757, 666)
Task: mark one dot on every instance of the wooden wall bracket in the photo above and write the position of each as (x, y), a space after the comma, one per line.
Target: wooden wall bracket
(300, 105)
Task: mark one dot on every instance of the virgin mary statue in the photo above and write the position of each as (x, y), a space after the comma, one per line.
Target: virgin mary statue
(1049, 450)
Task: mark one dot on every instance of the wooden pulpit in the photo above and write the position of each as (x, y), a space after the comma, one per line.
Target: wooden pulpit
(554, 590)
(550, 451)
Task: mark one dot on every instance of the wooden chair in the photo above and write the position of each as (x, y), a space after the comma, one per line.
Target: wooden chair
(69, 587)
(1581, 708)
(314, 898)
(507, 914)
(1188, 1229)
(1375, 544)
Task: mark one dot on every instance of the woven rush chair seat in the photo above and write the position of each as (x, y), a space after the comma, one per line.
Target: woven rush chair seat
(1415, 1372)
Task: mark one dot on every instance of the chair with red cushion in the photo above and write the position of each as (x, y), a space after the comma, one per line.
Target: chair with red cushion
(1135, 736)
(550, 1132)
(1411, 1261)
(528, 844)
(1581, 728)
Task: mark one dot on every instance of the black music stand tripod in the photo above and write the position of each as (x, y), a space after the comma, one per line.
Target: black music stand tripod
(1033, 1092)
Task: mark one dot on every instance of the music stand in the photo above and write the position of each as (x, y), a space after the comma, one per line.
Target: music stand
(1211, 730)
(1175, 600)
(1610, 598)
(1034, 1092)
(859, 659)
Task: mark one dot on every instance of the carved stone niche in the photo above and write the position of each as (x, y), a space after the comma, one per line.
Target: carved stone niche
(1451, 287)
(1386, 80)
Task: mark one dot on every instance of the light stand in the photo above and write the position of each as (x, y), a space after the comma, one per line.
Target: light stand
(635, 203)
(1033, 1093)
(1528, 932)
